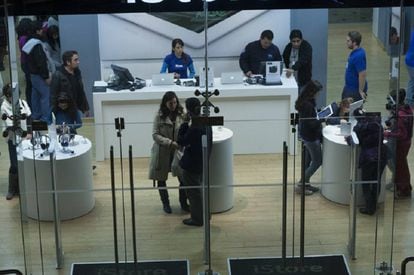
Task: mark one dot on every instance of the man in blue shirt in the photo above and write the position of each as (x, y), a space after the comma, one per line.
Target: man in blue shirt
(258, 51)
(356, 85)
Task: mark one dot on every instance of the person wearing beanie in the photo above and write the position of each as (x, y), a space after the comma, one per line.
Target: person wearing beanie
(189, 136)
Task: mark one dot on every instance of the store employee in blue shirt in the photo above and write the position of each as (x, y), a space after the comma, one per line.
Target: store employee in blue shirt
(356, 85)
(258, 51)
(178, 62)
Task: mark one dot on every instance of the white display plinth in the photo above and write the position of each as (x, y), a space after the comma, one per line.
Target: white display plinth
(336, 168)
(73, 181)
(221, 170)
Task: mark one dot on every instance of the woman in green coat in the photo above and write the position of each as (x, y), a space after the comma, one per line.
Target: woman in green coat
(167, 121)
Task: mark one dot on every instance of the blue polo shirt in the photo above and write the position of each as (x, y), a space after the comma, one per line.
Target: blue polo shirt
(178, 65)
(357, 62)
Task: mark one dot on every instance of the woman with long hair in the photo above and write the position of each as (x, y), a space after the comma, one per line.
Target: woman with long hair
(167, 121)
(53, 45)
(310, 131)
(178, 62)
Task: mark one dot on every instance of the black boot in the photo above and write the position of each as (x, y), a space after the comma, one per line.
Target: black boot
(164, 197)
(13, 189)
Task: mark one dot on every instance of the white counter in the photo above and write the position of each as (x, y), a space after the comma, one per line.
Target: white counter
(73, 181)
(259, 116)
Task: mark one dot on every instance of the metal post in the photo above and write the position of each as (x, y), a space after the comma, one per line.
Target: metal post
(284, 200)
(302, 208)
(353, 205)
(114, 209)
(131, 182)
(56, 216)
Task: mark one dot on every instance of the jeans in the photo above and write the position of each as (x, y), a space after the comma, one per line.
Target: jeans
(315, 152)
(410, 87)
(40, 98)
(12, 157)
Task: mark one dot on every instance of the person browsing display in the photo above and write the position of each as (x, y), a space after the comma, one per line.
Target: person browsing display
(258, 51)
(66, 113)
(310, 130)
(178, 62)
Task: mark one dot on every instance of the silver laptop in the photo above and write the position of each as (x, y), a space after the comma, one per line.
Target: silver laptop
(232, 78)
(162, 79)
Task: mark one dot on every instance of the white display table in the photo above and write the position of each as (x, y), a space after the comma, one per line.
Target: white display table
(258, 115)
(338, 159)
(73, 181)
(221, 170)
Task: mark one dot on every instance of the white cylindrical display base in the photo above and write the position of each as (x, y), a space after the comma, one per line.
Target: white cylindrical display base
(221, 170)
(73, 182)
(336, 168)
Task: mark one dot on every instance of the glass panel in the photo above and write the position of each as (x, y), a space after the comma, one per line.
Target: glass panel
(259, 120)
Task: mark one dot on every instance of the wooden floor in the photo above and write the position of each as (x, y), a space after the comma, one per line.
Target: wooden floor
(252, 228)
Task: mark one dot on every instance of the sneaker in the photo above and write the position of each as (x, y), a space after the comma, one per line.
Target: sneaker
(298, 190)
(314, 189)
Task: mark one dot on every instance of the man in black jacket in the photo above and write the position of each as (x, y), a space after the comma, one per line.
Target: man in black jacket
(258, 51)
(297, 57)
(189, 136)
(68, 80)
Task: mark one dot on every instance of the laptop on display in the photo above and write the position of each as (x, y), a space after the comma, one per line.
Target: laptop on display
(232, 78)
(162, 79)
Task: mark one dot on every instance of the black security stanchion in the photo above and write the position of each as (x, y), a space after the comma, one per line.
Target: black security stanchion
(131, 183)
(114, 209)
(119, 126)
(284, 200)
(302, 208)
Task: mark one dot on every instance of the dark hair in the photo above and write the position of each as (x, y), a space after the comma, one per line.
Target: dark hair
(65, 98)
(24, 27)
(355, 37)
(193, 106)
(164, 111)
(308, 93)
(295, 34)
(401, 96)
(49, 36)
(179, 41)
(7, 90)
(393, 31)
(67, 56)
(33, 28)
(267, 34)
